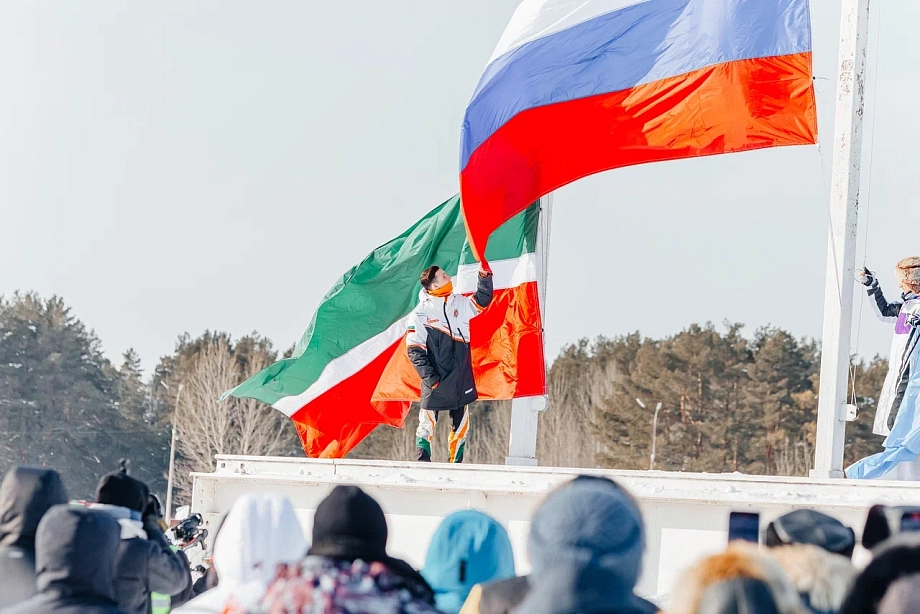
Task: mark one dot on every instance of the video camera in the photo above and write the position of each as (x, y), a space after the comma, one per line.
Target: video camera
(189, 532)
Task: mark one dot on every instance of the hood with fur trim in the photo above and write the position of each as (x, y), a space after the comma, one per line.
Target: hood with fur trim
(740, 560)
(821, 577)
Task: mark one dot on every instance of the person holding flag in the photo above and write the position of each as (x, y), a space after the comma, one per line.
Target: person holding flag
(897, 412)
(438, 343)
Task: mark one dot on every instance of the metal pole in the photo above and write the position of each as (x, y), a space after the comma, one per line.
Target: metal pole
(525, 411)
(172, 460)
(841, 257)
(651, 462)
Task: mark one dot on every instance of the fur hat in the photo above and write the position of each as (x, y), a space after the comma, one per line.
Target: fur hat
(739, 560)
(909, 272)
(820, 576)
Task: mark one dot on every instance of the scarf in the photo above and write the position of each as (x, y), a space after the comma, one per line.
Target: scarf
(444, 291)
(127, 519)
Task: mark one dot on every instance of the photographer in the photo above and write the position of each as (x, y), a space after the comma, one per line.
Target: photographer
(146, 562)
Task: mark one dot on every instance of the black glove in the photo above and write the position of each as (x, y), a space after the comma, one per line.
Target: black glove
(865, 277)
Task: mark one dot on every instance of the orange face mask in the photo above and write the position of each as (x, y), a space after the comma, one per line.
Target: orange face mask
(445, 290)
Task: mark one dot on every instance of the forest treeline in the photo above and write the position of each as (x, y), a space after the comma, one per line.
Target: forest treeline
(731, 401)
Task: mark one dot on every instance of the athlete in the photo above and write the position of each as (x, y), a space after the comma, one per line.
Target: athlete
(438, 343)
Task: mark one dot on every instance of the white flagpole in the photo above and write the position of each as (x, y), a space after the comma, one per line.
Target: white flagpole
(525, 412)
(841, 253)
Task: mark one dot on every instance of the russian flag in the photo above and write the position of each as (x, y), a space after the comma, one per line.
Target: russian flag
(576, 87)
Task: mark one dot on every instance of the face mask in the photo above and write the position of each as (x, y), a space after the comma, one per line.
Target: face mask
(445, 290)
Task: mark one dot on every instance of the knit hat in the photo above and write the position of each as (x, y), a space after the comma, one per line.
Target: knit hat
(121, 489)
(349, 524)
(908, 271)
(811, 527)
(585, 544)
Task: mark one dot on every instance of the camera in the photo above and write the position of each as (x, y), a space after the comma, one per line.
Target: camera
(189, 531)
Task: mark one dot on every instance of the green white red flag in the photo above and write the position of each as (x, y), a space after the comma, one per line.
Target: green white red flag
(350, 371)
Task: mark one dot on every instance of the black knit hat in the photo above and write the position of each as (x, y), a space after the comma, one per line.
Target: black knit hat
(121, 489)
(811, 527)
(349, 524)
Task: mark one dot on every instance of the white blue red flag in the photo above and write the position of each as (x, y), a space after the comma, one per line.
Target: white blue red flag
(576, 87)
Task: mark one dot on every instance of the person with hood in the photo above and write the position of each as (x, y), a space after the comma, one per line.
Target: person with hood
(75, 554)
(504, 596)
(260, 532)
(740, 561)
(468, 548)
(897, 412)
(25, 495)
(585, 545)
(895, 558)
(438, 343)
(146, 562)
(347, 569)
(814, 550)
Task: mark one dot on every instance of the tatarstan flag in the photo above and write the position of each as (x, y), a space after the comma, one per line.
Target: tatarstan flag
(350, 371)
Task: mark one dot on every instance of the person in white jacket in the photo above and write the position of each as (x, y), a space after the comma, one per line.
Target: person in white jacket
(897, 413)
(438, 343)
(260, 532)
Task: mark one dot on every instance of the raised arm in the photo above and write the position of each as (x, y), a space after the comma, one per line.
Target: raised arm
(483, 295)
(885, 311)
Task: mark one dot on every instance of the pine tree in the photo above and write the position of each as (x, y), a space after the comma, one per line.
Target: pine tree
(59, 396)
(782, 368)
(132, 392)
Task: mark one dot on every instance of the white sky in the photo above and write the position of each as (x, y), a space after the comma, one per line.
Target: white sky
(174, 166)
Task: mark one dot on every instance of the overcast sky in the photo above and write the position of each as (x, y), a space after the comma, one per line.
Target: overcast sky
(174, 166)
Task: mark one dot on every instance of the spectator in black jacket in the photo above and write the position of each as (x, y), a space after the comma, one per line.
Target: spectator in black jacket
(146, 563)
(25, 495)
(75, 552)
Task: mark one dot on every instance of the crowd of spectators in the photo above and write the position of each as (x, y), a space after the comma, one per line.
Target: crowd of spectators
(585, 548)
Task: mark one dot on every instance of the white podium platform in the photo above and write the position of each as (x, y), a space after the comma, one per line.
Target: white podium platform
(686, 514)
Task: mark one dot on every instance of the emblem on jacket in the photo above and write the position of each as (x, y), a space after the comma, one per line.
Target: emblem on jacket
(456, 313)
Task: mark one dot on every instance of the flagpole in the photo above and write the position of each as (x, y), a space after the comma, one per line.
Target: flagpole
(525, 412)
(841, 251)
